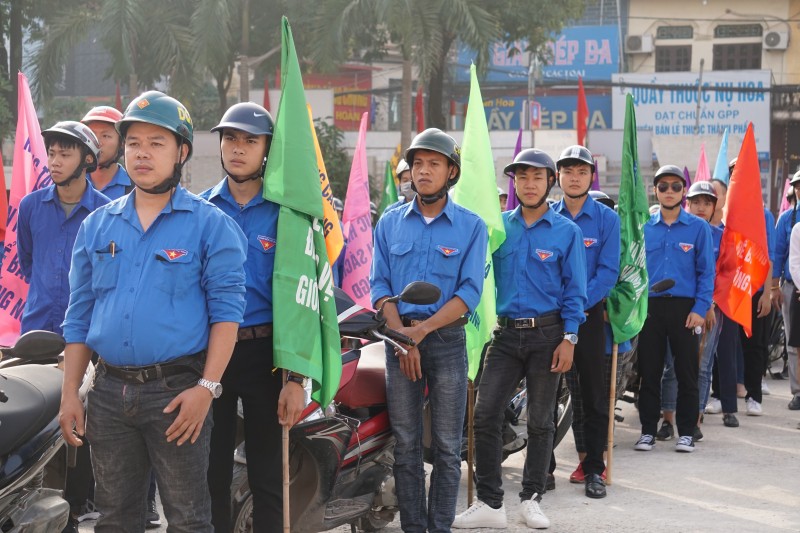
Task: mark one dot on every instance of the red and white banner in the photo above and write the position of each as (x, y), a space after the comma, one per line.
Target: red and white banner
(29, 173)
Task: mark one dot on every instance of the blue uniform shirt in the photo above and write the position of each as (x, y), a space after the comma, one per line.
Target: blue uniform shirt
(683, 252)
(44, 239)
(541, 269)
(783, 230)
(120, 182)
(259, 222)
(145, 297)
(450, 253)
(716, 240)
(600, 229)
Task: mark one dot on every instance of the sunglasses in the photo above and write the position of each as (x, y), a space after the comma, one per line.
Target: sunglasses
(676, 186)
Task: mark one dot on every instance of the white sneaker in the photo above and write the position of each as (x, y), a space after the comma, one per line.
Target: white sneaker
(685, 444)
(645, 443)
(753, 408)
(533, 515)
(764, 387)
(481, 515)
(714, 407)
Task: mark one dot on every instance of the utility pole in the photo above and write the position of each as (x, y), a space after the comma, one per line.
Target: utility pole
(244, 66)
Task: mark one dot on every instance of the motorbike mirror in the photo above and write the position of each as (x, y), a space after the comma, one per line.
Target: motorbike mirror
(36, 345)
(420, 293)
(663, 285)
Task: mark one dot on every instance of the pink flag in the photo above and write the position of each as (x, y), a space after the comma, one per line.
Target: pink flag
(784, 200)
(595, 177)
(29, 173)
(357, 221)
(702, 173)
(512, 202)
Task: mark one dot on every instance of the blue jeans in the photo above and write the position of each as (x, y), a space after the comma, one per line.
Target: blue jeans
(443, 356)
(515, 354)
(127, 429)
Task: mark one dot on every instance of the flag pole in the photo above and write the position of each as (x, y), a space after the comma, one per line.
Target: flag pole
(611, 405)
(470, 440)
(285, 453)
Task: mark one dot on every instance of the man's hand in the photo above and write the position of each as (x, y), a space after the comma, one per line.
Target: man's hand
(72, 418)
(694, 320)
(192, 405)
(764, 304)
(291, 403)
(410, 364)
(562, 357)
(776, 295)
(711, 319)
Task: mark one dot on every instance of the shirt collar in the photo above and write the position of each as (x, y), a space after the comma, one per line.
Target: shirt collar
(51, 196)
(548, 216)
(448, 211)
(223, 190)
(683, 217)
(180, 201)
(589, 208)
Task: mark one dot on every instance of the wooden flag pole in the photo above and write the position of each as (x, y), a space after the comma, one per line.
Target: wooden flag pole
(285, 453)
(470, 440)
(612, 400)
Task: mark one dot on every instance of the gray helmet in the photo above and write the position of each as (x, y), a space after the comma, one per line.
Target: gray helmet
(531, 157)
(603, 198)
(78, 132)
(795, 179)
(702, 188)
(436, 140)
(669, 170)
(247, 117)
(575, 154)
(402, 166)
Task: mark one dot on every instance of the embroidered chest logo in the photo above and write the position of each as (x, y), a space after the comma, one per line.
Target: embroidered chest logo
(447, 251)
(175, 254)
(266, 242)
(589, 242)
(544, 255)
(686, 247)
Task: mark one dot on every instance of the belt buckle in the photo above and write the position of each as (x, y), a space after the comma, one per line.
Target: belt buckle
(524, 323)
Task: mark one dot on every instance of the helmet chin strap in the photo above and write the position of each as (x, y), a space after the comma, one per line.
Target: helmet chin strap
(113, 160)
(428, 199)
(169, 183)
(575, 197)
(78, 171)
(670, 207)
(538, 204)
(257, 175)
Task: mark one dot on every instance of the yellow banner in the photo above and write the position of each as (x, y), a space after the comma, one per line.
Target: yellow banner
(334, 240)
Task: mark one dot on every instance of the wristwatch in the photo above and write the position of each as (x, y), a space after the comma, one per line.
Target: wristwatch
(213, 387)
(297, 378)
(571, 337)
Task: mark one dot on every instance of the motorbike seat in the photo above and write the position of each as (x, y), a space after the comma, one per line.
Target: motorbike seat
(34, 397)
(368, 385)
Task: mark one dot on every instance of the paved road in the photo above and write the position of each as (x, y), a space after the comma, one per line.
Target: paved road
(742, 479)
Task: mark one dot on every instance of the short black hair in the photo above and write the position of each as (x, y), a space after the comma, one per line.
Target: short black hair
(63, 140)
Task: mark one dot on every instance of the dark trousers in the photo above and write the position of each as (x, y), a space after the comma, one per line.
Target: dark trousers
(666, 321)
(588, 373)
(724, 381)
(755, 351)
(248, 376)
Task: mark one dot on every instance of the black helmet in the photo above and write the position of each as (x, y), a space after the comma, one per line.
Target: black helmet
(81, 133)
(795, 179)
(575, 154)
(247, 117)
(669, 170)
(531, 157)
(603, 198)
(702, 188)
(436, 140)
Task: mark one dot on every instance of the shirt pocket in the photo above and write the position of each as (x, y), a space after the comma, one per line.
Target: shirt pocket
(105, 272)
(446, 261)
(503, 261)
(260, 258)
(175, 270)
(548, 263)
(684, 254)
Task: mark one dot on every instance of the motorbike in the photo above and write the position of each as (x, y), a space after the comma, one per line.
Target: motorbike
(30, 436)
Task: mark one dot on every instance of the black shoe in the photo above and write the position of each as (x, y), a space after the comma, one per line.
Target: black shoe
(595, 487)
(152, 518)
(667, 432)
(785, 372)
(698, 435)
(794, 405)
(550, 484)
(730, 420)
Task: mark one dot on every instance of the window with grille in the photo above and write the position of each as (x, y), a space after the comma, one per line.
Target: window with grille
(674, 32)
(729, 31)
(674, 58)
(741, 56)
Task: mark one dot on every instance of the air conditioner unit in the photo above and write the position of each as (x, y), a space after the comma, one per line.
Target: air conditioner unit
(776, 40)
(639, 44)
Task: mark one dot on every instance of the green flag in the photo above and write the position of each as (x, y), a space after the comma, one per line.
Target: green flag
(477, 191)
(306, 334)
(389, 189)
(627, 302)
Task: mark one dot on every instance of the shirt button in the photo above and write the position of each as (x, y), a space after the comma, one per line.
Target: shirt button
(130, 290)
(138, 264)
(125, 343)
(127, 315)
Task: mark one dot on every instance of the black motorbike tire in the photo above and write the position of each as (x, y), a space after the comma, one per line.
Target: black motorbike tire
(370, 522)
(241, 501)
(565, 413)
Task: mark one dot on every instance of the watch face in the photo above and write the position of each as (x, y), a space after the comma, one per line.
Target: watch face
(217, 392)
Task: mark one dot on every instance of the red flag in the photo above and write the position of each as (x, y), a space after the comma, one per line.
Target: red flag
(418, 109)
(583, 114)
(118, 100)
(266, 93)
(743, 263)
(3, 203)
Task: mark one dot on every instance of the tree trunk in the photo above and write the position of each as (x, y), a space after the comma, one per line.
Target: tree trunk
(405, 106)
(222, 91)
(15, 45)
(133, 85)
(244, 71)
(436, 117)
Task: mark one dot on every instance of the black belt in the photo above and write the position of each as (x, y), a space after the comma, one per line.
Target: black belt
(527, 323)
(254, 332)
(143, 374)
(411, 322)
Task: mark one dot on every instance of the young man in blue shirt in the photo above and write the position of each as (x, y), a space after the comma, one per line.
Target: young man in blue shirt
(430, 239)
(49, 219)
(679, 247)
(109, 177)
(600, 230)
(157, 290)
(245, 134)
(540, 274)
